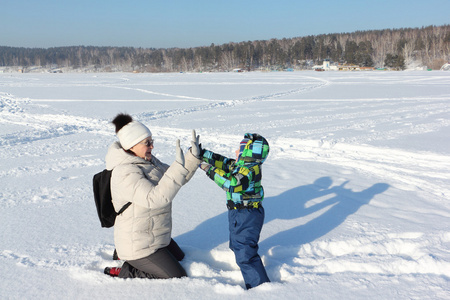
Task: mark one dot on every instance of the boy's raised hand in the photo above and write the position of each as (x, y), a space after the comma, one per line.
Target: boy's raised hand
(205, 166)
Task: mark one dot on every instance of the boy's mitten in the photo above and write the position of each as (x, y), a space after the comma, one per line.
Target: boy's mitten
(202, 151)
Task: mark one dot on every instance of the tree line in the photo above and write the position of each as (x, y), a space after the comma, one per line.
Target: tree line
(394, 48)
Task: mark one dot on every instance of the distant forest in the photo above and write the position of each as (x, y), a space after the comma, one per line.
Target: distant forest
(393, 48)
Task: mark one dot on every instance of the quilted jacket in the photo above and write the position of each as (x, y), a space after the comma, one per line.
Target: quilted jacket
(151, 186)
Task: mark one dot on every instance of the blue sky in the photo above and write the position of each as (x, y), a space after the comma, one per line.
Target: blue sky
(192, 23)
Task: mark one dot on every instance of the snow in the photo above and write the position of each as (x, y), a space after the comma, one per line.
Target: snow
(357, 182)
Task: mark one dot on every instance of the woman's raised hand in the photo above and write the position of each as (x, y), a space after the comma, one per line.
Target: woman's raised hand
(195, 144)
(179, 154)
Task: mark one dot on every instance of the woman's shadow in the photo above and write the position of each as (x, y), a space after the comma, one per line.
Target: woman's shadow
(336, 202)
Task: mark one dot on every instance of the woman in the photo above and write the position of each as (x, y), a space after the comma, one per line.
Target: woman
(142, 233)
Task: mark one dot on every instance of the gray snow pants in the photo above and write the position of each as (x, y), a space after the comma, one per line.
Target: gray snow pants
(162, 264)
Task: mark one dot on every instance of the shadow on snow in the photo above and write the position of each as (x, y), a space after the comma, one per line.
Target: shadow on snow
(339, 201)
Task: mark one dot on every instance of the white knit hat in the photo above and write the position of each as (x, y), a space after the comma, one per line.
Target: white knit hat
(132, 133)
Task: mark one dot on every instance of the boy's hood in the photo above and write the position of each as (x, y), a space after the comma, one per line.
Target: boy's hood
(254, 148)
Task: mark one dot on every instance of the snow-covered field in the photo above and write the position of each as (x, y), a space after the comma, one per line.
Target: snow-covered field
(357, 182)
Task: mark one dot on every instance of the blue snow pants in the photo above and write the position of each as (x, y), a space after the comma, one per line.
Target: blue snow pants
(245, 227)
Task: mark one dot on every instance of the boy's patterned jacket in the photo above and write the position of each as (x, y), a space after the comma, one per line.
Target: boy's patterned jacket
(241, 179)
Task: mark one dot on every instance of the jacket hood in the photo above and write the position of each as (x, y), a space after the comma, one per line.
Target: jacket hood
(116, 156)
(253, 148)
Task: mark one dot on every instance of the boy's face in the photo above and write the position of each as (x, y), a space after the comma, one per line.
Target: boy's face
(237, 154)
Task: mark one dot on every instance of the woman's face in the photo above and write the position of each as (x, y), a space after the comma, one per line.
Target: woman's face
(144, 148)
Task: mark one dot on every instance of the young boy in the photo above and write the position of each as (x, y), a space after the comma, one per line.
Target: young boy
(241, 179)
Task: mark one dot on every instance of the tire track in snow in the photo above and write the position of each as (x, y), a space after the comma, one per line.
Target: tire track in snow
(43, 126)
(214, 104)
(49, 126)
(47, 166)
(321, 83)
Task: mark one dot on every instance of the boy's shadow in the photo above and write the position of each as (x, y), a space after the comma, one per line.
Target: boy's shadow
(340, 201)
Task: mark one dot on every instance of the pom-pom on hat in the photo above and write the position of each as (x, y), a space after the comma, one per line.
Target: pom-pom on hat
(132, 133)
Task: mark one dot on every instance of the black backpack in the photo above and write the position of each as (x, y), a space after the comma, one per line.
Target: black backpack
(103, 201)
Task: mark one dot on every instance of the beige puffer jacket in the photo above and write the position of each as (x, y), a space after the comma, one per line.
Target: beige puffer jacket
(146, 225)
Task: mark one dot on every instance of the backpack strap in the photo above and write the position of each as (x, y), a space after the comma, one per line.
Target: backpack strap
(124, 208)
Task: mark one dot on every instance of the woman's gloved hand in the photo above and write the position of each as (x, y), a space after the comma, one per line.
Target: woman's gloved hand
(179, 154)
(196, 148)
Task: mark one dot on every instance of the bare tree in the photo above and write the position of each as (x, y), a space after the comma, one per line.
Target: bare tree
(408, 49)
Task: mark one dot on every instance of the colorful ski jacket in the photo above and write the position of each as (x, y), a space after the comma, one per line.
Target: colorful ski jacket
(240, 179)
